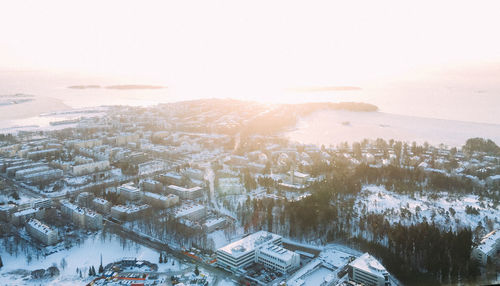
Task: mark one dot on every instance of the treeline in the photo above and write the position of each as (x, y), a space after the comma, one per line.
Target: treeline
(481, 145)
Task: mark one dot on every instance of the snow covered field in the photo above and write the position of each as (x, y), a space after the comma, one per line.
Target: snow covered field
(81, 256)
(376, 199)
(333, 127)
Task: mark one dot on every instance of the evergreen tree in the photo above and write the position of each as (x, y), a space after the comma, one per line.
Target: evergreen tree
(160, 260)
(90, 271)
(1, 262)
(101, 269)
(196, 271)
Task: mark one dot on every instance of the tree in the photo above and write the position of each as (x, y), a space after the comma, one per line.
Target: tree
(1, 263)
(90, 271)
(196, 271)
(101, 269)
(160, 260)
(63, 263)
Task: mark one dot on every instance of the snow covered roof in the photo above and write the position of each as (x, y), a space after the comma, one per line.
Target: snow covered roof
(489, 241)
(187, 209)
(278, 251)
(249, 243)
(158, 196)
(369, 264)
(129, 209)
(36, 224)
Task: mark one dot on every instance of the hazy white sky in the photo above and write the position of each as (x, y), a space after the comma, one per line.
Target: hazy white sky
(268, 43)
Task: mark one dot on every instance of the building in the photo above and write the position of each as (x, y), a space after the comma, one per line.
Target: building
(488, 247)
(213, 224)
(171, 178)
(129, 192)
(277, 258)
(185, 193)
(85, 199)
(44, 176)
(369, 271)
(194, 174)
(21, 174)
(121, 212)
(42, 232)
(21, 217)
(160, 201)
(80, 216)
(101, 205)
(88, 168)
(149, 185)
(6, 212)
(258, 247)
(150, 167)
(298, 177)
(41, 203)
(191, 212)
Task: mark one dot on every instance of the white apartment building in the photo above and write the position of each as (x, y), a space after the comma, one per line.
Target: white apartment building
(41, 232)
(150, 167)
(185, 193)
(129, 192)
(369, 271)
(488, 247)
(262, 247)
(88, 168)
(101, 205)
(191, 212)
(277, 258)
(121, 212)
(80, 216)
(161, 201)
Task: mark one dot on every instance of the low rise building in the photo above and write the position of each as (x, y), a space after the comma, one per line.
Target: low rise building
(369, 271)
(242, 253)
(150, 167)
(21, 217)
(80, 216)
(191, 212)
(127, 213)
(160, 201)
(44, 176)
(171, 178)
(6, 212)
(488, 247)
(88, 168)
(42, 232)
(101, 205)
(186, 193)
(277, 258)
(213, 224)
(129, 192)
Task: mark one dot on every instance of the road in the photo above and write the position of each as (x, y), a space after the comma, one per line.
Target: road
(134, 236)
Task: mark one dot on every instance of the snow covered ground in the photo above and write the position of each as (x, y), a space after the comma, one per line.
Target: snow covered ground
(81, 256)
(407, 209)
(333, 127)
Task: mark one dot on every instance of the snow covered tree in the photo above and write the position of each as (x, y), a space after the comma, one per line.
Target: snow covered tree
(160, 260)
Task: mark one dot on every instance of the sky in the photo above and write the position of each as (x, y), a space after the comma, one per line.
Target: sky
(248, 43)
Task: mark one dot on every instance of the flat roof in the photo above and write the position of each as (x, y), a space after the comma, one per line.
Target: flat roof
(369, 264)
(249, 243)
(488, 241)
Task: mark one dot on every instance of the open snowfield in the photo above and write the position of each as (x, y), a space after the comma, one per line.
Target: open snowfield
(376, 199)
(81, 256)
(333, 127)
